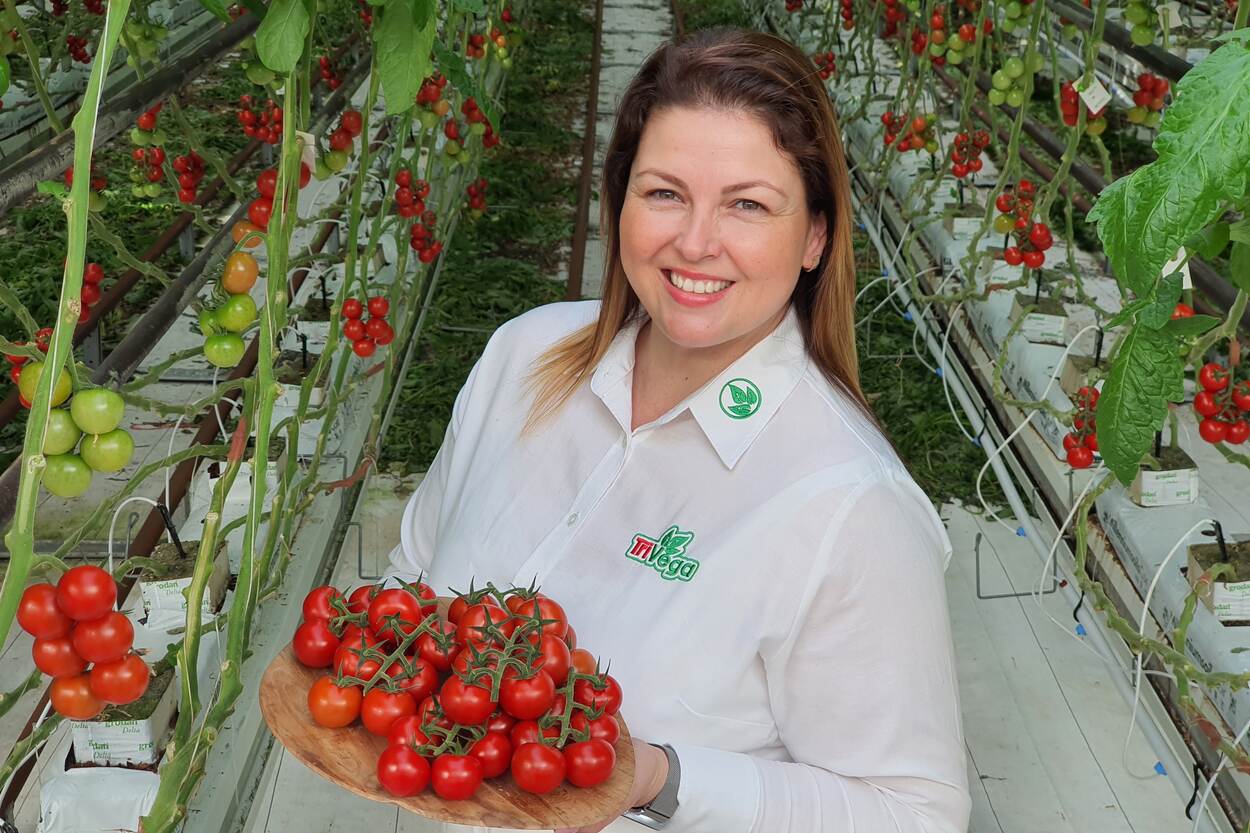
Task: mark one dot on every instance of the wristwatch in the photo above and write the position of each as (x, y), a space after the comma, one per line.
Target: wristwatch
(657, 813)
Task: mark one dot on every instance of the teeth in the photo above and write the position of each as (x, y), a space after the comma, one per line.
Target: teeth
(697, 287)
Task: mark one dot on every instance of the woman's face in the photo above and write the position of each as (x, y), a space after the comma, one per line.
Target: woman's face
(712, 203)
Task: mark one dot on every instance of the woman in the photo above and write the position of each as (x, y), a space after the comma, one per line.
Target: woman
(690, 468)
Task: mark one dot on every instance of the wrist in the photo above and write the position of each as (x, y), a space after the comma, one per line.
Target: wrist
(659, 774)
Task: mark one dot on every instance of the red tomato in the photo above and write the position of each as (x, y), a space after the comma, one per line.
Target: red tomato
(406, 731)
(548, 610)
(527, 731)
(1241, 396)
(527, 699)
(351, 121)
(428, 646)
(56, 657)
(460, 604)
(86, 592)
(356, 659)
(1237, 432)
(1213, 377)
(105, 639)
(418, 679)
(379, 307)
(72, 697)
(537, 768)
(1213, 430)
(314, 643)
(1080, 457)
(494, 750)
(476, 618)
(501, 722)
(267, 182)
(388, 605)
(1205, 404)
(603, 727)
(555, 658)
(430, 711)
(38, 614)
(607, 697)
(589, 763)
(465, 703)
(317, 604)
(456, 777)
(402, 772)
(121, 681)
(259, 212)
(382, 708)
(460, 665)
(571, 638)
(358, 601)
(332, 705)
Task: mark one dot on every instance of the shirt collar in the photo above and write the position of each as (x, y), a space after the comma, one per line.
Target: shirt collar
(731, 409)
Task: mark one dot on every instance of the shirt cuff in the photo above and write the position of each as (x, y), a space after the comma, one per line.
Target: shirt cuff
(719, 791)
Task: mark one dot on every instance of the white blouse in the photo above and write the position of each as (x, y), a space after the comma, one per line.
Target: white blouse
(761, 571)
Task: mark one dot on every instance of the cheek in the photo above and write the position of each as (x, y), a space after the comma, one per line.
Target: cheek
(643, 231)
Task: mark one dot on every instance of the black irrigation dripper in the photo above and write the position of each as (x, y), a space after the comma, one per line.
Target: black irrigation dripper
(1219, 539)
(169, 525)
(959, 183)
(1037, 291)
(1098, 348)
(325, 295)
(1158, 444)
(303, 350)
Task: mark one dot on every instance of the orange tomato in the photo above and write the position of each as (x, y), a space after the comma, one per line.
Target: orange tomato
(243, 228)
(240, 273)
(583, 661)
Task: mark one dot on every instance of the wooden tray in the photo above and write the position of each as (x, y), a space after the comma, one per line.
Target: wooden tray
(349, 758)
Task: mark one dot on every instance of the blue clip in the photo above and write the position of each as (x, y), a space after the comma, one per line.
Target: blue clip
(1020, 532)
(1080, 629)
(907, 316)
(1160, 768)
(885, 271)
(976, 441)
(863, 227)
(938, 371)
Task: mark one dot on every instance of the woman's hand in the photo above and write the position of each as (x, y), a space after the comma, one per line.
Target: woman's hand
(650, 773)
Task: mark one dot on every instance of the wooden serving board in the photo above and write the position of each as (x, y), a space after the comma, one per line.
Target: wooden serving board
(349, 758)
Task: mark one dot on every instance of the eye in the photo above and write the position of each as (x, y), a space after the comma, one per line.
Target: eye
(751, 205)
(662, 191)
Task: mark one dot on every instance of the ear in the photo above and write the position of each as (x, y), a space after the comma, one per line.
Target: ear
(817, 235)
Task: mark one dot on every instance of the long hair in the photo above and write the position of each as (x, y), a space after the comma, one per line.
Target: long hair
(765, 77)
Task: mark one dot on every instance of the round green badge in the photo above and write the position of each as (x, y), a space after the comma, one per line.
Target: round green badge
(740, 398)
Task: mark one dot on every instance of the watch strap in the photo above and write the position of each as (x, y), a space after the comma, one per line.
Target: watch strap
(657, 812)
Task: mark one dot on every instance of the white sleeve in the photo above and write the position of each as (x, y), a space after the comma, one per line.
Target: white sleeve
(863, 692)
(418, 530)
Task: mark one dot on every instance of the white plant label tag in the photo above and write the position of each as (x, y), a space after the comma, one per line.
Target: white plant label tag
(1095, 96)
(1187, 281)
(308, 153)
(1169, 15)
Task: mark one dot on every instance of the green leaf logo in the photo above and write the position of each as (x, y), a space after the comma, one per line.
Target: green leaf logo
(740, 398)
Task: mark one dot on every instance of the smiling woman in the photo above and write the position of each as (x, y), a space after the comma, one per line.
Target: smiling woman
(787, 657)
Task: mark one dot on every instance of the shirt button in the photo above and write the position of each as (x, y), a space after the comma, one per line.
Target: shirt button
(572, 519)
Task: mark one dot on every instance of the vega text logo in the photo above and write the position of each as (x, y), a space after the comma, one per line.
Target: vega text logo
(666, 554)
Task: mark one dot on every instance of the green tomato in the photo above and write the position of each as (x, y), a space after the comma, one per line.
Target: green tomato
(66, 475)
(956, 43)
(159, 136)
(1034, 62)
(1136, 14)
(1010, 25)
(137, 177)
(1142, 35)
(1137, 115)
(208, 322)
(1014, 67)
(931, 146)
(152, 190)
(322, 171)
(502, 52)
(29, 380)
(61, 434)
(5, 75)
(1004, 223)
(224, 350)
(1000, 80)
(477, 129)
(1095, 127)
(997, 97)
(1015, 98)
(96, 201)
(937, 50)
(429, 119)
(260, 74)
(1070, 31)
(237, 313)
(97, 410)
(107, 452)
(1153, 118)
(142, 138)
(1014, 10)
(452, 147)
(506, 63)
(955, 58)
(336, 160)
(138, 191)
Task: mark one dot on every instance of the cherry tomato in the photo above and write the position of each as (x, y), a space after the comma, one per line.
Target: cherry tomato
(340, 140)
(1205, 404)
(121, 681)
(1034, 259)
(1091, 442)
(318, 602)
(377, 327)
(259, 211)
(501, 722)
(1241, 395)
(476, 618)
(332, 705)
(527, 731)
(607, 697)
(242, 229)
(379, 306)
(428, 647)
(351, 121)
(588, 763)
(402, 772)
(86, 592)
(395, 613)
(583, 661)
(406, 731)
(545, 609)
(1237, 432)
(267, 182)
(348, 659)
(105, 639)
(365, 347)
(354, 329)
(1080, 457)
(1183, 311)
(537, 768)
(1070, 441)
(494, 750)
(352, 308)
(72, 697)
(460, 604)
(465, 703)
(555, 658)
(430, 710)
(419, 679)
(527, 699)
(603, 727)
(1213, 377)
(314, 643)
(358, 601)
(382, 708)
(38, 614)
(456, 777)
(56, 657)
(240, 273)
(1213, 430)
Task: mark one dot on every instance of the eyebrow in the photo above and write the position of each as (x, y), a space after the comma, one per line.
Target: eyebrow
(741, 186)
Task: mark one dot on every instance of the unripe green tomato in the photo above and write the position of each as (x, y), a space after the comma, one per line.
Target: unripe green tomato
(955, 58)
(208, 322)
(1010, 25)
(66, 475)
(107, 452)
(61, 434)
(429, 119)
(224, 350)
(1142, 35)
(1070, 31)
(502, 52)
(1014, 10)
(142, 138)
(1034, 62)
(452, 147)
(931, 146)
(477, 129)
(237, 313)
(997, 97)
(137, 191)
(1013, 67)
(1004, 223)
(97, 410)
(1095, 127)
(28, 380)
(137, 176)
(937, 50)
(1153, 118)
(475, 213)
(322, 171)
(152, 190)
(1015, 98)
(1136, 14)
(1137, 115)
(336, 160)
(96, 201)
(159, 137)
(506, 63)
(1000, 80)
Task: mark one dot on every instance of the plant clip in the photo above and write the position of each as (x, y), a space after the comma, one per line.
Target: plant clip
(1158, 443)
(1098, 347)
(169, 525)
(1219, 539)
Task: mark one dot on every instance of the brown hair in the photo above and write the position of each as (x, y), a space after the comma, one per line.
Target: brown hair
(771, 79)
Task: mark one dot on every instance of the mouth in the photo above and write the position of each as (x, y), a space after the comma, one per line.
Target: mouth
(691, 286)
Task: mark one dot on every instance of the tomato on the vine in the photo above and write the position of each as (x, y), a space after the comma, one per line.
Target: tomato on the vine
(494, 750)
(259, 211)
(56, 657)
(1213, 430)
(382, 708)
(1205, 404)
(528, 731)
(456, 777)
(1241, 395)
(314, 644)
(606, 697)
(39, 615)
(395, 613)
(420, 679)
(318, 602)
(105, 639)
(332, 705)
(554, 657)
(556, 622)
(461, 603)
(86, 592)
(360, 598)
(589, 763)
(472, 625)
(402, 772)
(528, 698)
(1213, 377)
(1237, 432)
(465, 703)
(583, 661)
(537, 768)
(603, 727)
(407, 731)
(72, 697)
(121, 681)
(348, 659)
(1080, 457)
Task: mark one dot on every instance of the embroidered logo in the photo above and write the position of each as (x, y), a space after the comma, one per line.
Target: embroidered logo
(739, 398)
(667, 554)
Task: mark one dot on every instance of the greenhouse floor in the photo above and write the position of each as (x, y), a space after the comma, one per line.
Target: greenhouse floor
(1044, 726)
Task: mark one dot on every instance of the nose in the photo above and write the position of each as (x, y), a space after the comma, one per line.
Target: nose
(699, 235)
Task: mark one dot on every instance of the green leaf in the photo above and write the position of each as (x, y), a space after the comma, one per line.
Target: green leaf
(1239, 232)
(218, 9)
(1233, 34)
(752, 396)
(1145, 374)
(403, 52)
(1204, 161)
(1128, 312)
(738, 394)
(10, 300)
(280, 36)
(54, 187)
(1162, 302)
(4, 75)
(740, 410)
(453, 66)
(1209, 242)
(1239, 266)
(422, 11)
(475, 6)
(1194, 325)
